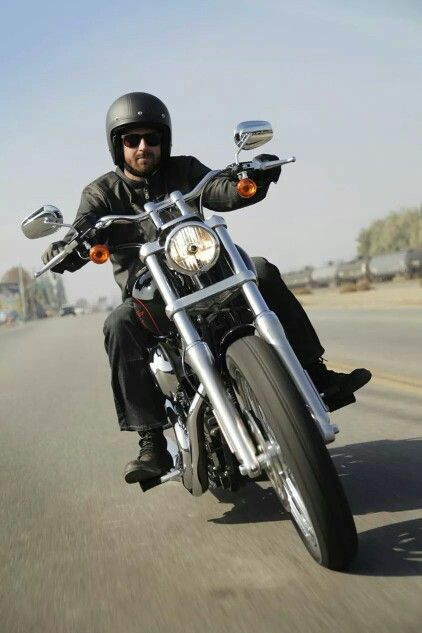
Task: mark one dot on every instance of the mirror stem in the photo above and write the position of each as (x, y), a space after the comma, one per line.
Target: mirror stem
(60, 225)
(247, 136)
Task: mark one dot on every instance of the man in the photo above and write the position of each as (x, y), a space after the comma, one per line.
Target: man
(138, 128)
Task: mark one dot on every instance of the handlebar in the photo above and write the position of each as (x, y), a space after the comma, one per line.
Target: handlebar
(153, 207)
(255, 164)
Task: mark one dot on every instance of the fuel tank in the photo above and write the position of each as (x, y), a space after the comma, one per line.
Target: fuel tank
(149, 305)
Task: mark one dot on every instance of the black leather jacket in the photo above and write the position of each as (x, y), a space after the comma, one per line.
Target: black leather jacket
(114, 193)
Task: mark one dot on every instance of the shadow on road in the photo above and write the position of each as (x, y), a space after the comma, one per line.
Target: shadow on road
(385, 476)
(391, 550)
(381, 476)
(251, 504)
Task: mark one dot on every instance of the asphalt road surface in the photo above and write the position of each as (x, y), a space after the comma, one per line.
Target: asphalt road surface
(81, 551)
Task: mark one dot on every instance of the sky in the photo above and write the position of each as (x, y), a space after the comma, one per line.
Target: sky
(339, 80)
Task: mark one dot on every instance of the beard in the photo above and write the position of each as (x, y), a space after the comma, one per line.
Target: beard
(146, 170)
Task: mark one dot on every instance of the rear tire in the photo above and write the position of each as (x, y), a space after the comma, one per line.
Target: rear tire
(298, 465)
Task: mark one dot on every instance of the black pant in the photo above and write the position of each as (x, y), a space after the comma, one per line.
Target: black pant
(139, 403)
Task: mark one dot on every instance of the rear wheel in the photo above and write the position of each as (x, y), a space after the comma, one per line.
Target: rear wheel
(293, 452)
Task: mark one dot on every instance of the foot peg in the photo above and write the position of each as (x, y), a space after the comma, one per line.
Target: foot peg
(174, 473)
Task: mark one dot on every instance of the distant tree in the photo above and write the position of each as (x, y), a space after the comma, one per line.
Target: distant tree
(11, 276)
(400, 230)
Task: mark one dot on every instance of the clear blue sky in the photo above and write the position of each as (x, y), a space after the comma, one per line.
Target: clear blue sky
(340, 81)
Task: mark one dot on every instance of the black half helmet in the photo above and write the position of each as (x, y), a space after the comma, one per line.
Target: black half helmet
(136, 109)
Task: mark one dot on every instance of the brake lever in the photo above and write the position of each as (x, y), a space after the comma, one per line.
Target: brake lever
(57, 259)
(269, 164)
(108, 220)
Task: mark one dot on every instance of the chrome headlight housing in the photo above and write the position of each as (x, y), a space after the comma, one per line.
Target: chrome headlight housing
(192, 248)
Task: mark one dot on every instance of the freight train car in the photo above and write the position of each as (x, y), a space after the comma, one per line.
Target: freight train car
(353, 271)
(325, 276)
(414, 262)
(298, 278)
(377, 268)
(389, 265)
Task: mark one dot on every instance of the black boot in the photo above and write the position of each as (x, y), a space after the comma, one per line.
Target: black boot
(154, 459)
(337, 389)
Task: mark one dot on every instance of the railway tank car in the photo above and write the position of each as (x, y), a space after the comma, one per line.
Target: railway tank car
(415, 263)
(325, 276)
(298, 278)
(405, 263)
(389, 265)
(353, 271)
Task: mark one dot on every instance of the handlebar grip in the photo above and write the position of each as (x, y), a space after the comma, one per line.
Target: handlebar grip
(276, 163)
(57, 259)
(53, 262)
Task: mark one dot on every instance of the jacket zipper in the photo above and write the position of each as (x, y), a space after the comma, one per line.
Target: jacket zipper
(146, 192)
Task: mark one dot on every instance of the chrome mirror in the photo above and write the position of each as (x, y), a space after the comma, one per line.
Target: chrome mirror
(42, 222)
(251, 134)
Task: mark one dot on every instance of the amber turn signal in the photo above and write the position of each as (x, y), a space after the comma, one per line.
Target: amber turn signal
(99, 254)
(246, 188)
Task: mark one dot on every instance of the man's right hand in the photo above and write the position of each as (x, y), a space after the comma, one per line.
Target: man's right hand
(53, 250)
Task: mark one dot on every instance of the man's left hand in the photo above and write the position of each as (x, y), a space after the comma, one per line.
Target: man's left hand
(269, 175)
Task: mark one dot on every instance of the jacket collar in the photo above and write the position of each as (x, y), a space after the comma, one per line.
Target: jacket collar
(144, 182)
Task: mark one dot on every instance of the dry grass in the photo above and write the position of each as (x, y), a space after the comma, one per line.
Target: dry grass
(347, 288)
(385, 295)
(302, 291)
(358, 286)
(363, 285)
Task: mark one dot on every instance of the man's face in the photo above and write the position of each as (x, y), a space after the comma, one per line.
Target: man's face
(141, 158)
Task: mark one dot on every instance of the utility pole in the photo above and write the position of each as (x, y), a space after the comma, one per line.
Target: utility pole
(22, 292)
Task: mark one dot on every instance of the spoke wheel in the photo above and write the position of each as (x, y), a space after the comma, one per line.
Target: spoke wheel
(276, 467)
(291, 452)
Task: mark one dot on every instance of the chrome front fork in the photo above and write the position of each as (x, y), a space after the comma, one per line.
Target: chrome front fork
(270, 329)
(201, 360)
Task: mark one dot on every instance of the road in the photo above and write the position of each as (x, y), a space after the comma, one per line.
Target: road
(80, 551)
(390, 341)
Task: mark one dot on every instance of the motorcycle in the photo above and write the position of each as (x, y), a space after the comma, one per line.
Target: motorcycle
(239, 402)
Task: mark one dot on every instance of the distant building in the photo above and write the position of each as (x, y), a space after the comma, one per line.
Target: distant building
(30, 298)
(10, 297)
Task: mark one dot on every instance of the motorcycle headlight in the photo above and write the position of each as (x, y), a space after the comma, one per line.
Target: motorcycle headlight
(192, 248)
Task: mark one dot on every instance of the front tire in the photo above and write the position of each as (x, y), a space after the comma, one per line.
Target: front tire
(296, 459)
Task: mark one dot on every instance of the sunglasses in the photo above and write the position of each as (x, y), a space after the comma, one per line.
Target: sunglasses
(133, 140)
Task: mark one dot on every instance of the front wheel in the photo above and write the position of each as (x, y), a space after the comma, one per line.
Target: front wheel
(294, 455)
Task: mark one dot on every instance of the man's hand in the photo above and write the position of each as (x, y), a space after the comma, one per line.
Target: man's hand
(269, 175)
(53, 250)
